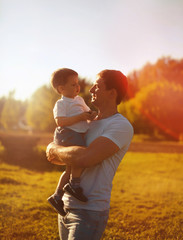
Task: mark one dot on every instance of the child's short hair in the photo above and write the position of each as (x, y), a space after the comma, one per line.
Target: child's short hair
(60, 77)
(117, 80)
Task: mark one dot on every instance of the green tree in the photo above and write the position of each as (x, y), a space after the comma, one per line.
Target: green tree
(40, 109)
(2, 102)
(131, 110)
(11, 112)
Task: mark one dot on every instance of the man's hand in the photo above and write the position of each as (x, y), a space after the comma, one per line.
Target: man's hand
(51, 154)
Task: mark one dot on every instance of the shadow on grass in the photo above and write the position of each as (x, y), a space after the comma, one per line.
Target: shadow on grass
(35, 160)
(23, 150)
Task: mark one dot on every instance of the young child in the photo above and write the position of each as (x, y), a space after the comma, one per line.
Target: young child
(71, 114)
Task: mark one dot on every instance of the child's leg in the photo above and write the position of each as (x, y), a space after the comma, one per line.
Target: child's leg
(64, 179)
(73, 187)
(75, 176)
(56, 199)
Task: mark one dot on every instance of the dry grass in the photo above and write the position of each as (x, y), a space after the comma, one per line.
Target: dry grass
(146, 201)
(147, 198)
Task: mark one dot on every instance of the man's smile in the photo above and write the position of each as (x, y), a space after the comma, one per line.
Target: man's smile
(93, 97)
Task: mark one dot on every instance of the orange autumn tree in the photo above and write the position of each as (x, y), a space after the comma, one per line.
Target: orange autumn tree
(156, 104)
(161, 105)
(165, 68)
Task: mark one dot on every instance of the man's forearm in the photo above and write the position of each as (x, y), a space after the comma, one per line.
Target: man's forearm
(57, 162)
(84, 157)
(70, 155)
(65, 155)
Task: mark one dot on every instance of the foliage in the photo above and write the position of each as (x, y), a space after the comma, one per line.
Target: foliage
(22, 150)
(162, 106)
(40, 109)
(165, 68)
(155, 98)
(2, 102)
(146, 200)
(140, 122)
(157, 106)
(12, 112)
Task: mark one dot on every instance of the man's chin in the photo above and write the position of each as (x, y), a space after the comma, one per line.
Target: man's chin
(94, 102)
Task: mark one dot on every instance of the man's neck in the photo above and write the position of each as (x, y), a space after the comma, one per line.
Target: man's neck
(106, 113)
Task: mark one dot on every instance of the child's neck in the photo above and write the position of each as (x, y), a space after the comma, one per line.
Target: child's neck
(68, 96)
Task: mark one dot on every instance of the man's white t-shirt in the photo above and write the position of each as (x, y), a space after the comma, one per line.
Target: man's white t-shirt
(68, 107)
(97, 181)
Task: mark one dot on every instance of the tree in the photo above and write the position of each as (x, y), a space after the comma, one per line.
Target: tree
(11, 112)
(2, 102)
(163, 107)
(155, 97)
(131, 110)
(170, 69)
(157, 106)
(165, 68)
(40, 109)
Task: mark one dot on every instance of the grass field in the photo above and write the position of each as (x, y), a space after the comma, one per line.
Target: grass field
(146, 202)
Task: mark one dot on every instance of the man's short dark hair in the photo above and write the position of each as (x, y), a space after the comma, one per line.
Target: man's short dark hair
(117, 80)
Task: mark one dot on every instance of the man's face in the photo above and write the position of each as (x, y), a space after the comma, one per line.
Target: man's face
(99, 93)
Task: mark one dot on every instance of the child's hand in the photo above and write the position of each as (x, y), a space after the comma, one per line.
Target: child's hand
(93, 115)
(88, 115)
(85, 116)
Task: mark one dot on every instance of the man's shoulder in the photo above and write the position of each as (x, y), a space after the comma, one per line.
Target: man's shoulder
(119, 130)
(121, 121)
(118, 117)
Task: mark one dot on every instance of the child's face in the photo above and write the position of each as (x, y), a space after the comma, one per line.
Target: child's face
(71, 89)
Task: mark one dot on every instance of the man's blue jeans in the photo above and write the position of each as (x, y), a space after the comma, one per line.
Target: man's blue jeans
(80, 224)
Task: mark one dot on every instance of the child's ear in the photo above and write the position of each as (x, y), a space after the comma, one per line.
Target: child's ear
(60, 89)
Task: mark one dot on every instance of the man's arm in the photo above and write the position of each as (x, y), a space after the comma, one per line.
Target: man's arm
(84, 157)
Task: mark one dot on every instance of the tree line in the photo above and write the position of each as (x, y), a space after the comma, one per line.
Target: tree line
(153, 104)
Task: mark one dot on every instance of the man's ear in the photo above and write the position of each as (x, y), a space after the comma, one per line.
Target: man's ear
(114, 93)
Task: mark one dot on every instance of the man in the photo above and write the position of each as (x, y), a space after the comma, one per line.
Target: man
(107, 141)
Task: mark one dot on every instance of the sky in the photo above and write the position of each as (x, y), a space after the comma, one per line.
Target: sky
(40, 36)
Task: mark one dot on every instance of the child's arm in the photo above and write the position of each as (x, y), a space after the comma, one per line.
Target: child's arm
(68, 121)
